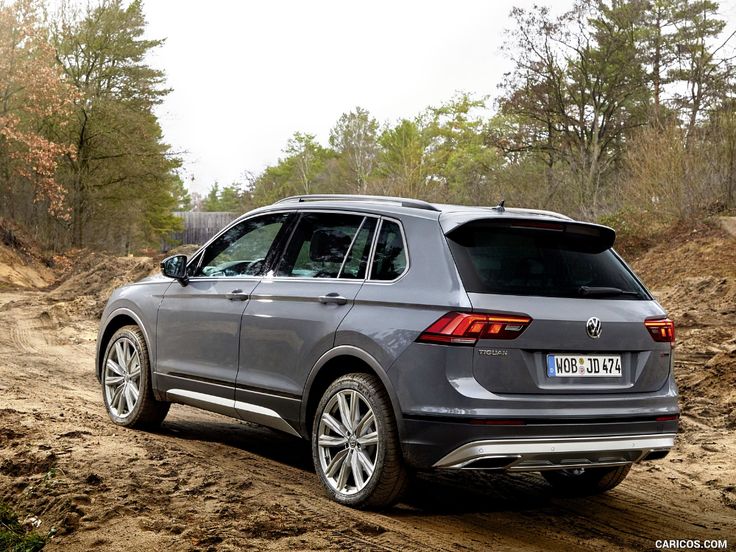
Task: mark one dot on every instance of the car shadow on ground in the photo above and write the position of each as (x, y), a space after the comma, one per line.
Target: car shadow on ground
(430, 493)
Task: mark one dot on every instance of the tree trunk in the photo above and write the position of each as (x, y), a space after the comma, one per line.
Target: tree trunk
(657, 67)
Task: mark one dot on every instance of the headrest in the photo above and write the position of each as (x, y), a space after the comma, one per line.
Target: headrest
(328, 245)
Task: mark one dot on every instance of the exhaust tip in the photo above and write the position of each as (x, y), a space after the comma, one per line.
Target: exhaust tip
(656, 455)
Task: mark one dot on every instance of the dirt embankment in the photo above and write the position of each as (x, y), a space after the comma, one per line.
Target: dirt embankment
(204, 482)
(21, 262)
(695, 280)
(694, 277)
(78, 283)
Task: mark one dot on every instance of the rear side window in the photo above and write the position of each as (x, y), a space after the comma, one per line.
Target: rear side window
(389, 261)
(320, 245)
(516, 261)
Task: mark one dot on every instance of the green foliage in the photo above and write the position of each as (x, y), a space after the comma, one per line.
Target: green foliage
(578, 89)
(308, 160)
(232, 199)
(306, 168)
(355, 140)
(120, 182)
(212, 200)
(461, 161)
(14, 537)
(402, 167)
(617, 108)
(180, 195)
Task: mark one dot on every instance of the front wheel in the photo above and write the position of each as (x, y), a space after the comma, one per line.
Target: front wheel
(586, 481)
(126, 381)
(355, 444)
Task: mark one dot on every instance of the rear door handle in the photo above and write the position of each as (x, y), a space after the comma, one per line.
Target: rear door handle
(237, 295)
(332, 298)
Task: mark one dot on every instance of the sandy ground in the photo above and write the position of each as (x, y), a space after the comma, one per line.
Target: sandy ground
(205, 482)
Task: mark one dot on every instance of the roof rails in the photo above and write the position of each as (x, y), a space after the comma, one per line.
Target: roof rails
(404, 202)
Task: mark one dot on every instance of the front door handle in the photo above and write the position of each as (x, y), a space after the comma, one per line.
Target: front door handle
(332, 298)
(237, 295)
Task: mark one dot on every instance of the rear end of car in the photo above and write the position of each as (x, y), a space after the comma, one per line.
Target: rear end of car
(563, 364)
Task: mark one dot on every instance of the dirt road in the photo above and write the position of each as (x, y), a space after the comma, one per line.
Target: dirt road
(205, 482)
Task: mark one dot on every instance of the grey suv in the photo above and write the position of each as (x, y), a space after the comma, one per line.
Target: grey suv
(399, 335)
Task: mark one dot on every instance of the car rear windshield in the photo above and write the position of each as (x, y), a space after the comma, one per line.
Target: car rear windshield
(532, 261)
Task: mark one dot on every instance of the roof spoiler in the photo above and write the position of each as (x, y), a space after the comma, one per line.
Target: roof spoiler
(595, 237)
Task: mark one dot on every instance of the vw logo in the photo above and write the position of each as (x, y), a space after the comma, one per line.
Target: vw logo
(593, 327)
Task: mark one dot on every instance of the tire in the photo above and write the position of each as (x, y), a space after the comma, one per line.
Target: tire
(340, 452)
(126, 382)
(585, 482)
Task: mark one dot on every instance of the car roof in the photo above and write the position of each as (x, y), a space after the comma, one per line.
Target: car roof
(450, 215)
(400, 205)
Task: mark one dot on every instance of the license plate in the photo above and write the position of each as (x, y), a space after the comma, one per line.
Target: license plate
(583, 366)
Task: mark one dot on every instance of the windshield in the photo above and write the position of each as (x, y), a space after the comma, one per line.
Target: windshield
(523, 261)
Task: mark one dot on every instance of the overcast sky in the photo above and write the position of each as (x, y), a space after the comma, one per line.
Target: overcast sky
(247, 75)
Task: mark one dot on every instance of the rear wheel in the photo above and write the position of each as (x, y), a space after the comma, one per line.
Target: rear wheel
(586, 481)
(126, 381)
(355, 444)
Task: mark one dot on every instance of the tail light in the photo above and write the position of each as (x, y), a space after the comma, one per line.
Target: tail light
(661, 329)
(462, 328)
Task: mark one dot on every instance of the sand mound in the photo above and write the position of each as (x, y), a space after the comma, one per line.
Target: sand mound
(92, 277)
(22, 265)
(695, 280)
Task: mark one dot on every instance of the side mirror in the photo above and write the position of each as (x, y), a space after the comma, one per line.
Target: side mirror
(175, 267)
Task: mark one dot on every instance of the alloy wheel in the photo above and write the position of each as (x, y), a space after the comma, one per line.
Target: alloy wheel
(348, 442)
(122, 377)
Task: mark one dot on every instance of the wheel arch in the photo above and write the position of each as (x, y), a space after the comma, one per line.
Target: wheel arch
(117, 319)
(341, 360)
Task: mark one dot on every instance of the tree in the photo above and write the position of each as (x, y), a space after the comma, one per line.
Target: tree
(705, 75)
(460, 160)
(355, 140)
(580, 86)
(120, 152)
(182, 198)
(211, 202)
(230, 198)
(32, 96)
(657, 43)
(401, 161)
(308, 158)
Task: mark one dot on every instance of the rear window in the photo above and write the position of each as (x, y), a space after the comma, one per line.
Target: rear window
(519, 261)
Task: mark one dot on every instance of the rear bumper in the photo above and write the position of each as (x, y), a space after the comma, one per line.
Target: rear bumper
(556, 453)
(536, 445)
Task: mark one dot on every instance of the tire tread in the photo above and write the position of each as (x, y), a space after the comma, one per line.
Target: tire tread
(394, 477)
(151, 412)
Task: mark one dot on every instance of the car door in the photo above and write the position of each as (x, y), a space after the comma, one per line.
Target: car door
(293, 315)
(199, 323)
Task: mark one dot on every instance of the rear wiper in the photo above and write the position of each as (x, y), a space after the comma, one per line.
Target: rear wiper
(604, 291)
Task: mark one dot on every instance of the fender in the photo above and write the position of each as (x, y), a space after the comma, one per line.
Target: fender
(103, 328)
(356, 352)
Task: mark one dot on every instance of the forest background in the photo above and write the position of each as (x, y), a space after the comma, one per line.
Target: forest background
(618, 111)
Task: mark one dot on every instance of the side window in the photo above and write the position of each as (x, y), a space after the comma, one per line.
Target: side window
(356, 263)
(319, 245)
(389, 261)
(242, 250)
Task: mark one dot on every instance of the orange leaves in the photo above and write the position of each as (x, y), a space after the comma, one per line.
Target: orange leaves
(33, 98)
